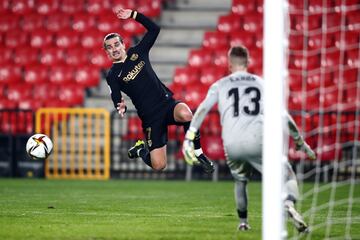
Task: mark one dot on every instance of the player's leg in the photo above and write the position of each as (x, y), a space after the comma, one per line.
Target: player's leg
(241, 170)
(182, 114)
(292, 196)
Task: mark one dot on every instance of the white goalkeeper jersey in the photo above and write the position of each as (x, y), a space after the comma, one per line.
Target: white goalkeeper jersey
(239, 98)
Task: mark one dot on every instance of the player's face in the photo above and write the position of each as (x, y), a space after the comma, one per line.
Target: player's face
(115, 49)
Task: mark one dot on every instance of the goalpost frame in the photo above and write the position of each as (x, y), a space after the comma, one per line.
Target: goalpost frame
(273, 224)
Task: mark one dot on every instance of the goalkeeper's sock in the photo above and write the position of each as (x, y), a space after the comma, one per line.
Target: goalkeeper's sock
(145, 156)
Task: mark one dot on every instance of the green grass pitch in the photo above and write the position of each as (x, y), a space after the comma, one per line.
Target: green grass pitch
(139, 210)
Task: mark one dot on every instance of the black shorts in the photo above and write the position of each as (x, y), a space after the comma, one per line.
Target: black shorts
(156, 131)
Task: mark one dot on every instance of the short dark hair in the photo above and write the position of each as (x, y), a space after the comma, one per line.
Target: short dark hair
(241, 54)
(112, 35)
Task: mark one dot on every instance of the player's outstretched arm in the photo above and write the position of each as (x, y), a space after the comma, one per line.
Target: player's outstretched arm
(298, 139)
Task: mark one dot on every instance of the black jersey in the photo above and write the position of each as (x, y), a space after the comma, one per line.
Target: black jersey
(136, 77)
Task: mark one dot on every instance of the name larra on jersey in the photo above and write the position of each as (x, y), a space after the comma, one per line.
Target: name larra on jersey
(134, 72)
(242, 78)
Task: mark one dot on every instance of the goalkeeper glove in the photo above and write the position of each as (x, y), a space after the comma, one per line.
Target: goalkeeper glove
(302, 145)
(188, 148)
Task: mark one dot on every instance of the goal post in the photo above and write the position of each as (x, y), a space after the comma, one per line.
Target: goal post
(273, 140)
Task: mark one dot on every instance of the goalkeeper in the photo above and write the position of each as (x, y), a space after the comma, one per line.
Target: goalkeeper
(239, 98)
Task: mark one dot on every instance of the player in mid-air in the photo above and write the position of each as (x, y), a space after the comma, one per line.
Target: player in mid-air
(132, 74)
(239, 98)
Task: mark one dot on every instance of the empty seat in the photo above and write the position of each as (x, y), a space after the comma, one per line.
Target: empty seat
(209, 75)
(98, 7)
(41, 38)
(71, 7)
(199, 58)
(352, 58)
(17, 92)
(243, 7)
(194, 96)
(134, 129)
(186, 76)
(296, 6)
(76, 57)
(57, 22)
(4, 7)
(6, 55)
(31, 22)
(220, 58)
(87, 76)
(328, 149)
(330, 59)
(215, 40)
(229, 23)
(52, 56)
(353, 20)
(213, 147)
(351, 39)
(329, 99)
(46, 92)
(299, 23)
(242, 38)
(72, 94)
(67, 39)
(352, 99)
(132, 27)
(151, 8)
(296, 42)
(91, 39)
(82, 22)
(21, 7)
(130, 4)
(16, 38)
(61, 74)
(108, 23)
(9, 22)
(99, 58)
(36, 74)
(46, 7)
(10, 74)
(333, 20)
(30, 104)
(295, 82)
(300, 62)
(253, 22)
(316, 41)
(26, 56)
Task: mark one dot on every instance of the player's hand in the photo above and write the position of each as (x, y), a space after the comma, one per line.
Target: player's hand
(121, 107)
(302, 145)
(123, 13)
(188, 148)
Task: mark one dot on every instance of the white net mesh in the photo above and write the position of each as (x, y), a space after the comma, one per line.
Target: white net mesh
(324, 99)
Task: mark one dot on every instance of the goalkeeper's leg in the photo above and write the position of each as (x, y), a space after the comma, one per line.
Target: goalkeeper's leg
(241, 200)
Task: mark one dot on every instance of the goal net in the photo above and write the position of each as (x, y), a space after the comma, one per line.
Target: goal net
(324, 99)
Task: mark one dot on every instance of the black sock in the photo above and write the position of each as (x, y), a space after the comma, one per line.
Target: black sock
(145, 156)
(242, 214)
(197, 144)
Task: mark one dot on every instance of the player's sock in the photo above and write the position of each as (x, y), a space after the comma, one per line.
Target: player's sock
(145, 156)
(241, 199)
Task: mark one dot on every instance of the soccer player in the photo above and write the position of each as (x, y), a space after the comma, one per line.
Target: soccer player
(239, 98)
(132, 74)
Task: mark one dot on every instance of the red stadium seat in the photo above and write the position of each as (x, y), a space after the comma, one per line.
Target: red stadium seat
(92, 39)
(133, 28)
(295, 82)
(72, 94)
(316, 41)
(211, 125)
(21, 7)
(296, 6)
(52, 56)
(213, 147)
(9, 22)
(220, 58)
(194, 96)
(243, 7)
(151, 8)
(352, 58)
(229, 23)
(7, 104)
(333, 20)
(134, 129)
(98, 7)
(82, 22)
(130, 4)
(36, 74)
(215, 40)
(296, 42)
(352, 99)
(242, 38)
(4, 7)
(253, 23)
(76, 57)
(108, 23)
(99, 59)
(298, 22)
(199, 58)
(2, 90)
(67, 39)
(57, 22)
(328, 149)
(16, 38)
(350, 76)
(353, 20)
(61, 74)
(329, 99)
(57, 103)
(41, 38)
(17, 92)
(46, 7)
(87, 76)
(6, 55)
(46, 92)
(71, 6)
(331, 59)
(186, 76)
(26, 56)
(351, 38)
(317, 6)
(299, 62)
(209, 75)
(30, 104)
(10, 74)
(317, 80)
(256, 60)
(31, 22)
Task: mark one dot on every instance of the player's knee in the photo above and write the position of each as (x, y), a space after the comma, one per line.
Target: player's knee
(158, 165)
(187, 116)
(183, 113)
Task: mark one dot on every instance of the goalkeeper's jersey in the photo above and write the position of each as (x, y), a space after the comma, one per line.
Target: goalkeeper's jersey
(239, 98)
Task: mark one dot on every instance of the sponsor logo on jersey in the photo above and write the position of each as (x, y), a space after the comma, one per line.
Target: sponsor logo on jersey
(134, 72)
(134, 56)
